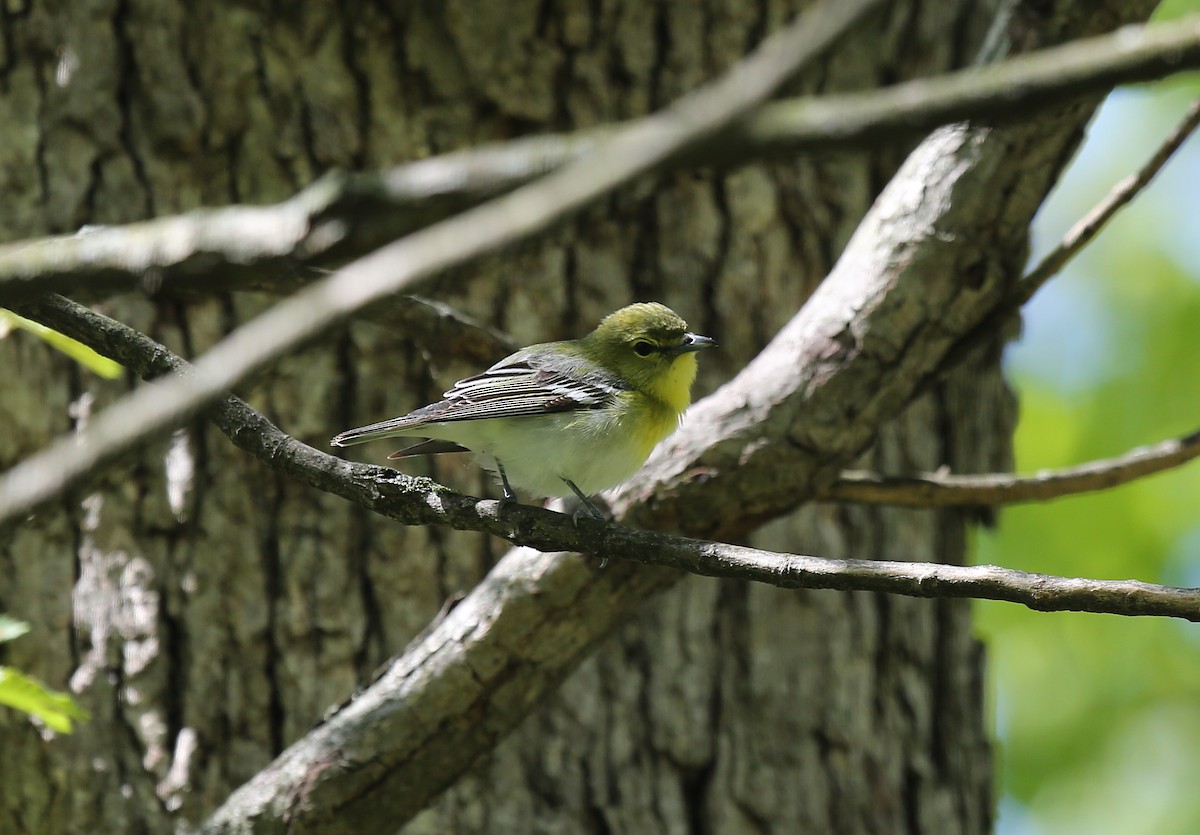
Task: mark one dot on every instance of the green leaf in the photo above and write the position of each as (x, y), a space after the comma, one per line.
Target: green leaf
(11, 628)
(57, 710)
(1175, 9)
(82, 354)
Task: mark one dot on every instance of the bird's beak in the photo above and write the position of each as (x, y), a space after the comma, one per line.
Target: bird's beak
(695, 342)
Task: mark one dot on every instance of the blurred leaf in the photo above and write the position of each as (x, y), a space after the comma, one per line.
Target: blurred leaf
(56, 709)
(77, 351)
(1173, 9)
(10, 628)
(19, 691)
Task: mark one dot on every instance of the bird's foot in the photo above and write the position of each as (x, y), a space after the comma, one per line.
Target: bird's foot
(586, 506)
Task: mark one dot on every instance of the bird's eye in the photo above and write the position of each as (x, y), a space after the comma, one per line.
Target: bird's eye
(643, 348)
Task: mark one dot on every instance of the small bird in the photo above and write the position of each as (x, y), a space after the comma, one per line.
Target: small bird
(557, 418)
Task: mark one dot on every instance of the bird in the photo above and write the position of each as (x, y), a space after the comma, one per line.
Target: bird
(559, 418)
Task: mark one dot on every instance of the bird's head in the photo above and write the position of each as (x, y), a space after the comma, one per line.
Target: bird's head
(649, 346)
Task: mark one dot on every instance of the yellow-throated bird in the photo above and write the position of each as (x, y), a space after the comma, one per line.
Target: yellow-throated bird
(579, 416)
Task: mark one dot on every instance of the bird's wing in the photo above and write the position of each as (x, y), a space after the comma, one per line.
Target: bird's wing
(515, 387)
(521, 388)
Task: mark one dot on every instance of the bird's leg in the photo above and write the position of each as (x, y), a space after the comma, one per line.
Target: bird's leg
(510, 495)
(595, 511)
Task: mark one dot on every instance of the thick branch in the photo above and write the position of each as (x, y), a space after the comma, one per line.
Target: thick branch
(643, 146)
(939, 490)
(346, 215)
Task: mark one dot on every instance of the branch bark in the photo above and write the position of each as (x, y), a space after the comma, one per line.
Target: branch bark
(942, 490)
(945, 490)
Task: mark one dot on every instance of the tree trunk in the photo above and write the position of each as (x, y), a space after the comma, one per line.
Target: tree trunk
(207, 611)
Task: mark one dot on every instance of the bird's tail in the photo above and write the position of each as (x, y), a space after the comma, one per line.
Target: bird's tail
(371, 432)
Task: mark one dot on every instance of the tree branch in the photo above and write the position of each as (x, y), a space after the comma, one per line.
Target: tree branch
(942, 490)
(1013, 88)
(394, 268)
(343, 216)
(1081, 234)
(1073, 242)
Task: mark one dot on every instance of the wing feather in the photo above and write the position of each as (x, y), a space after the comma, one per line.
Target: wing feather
(513, 388)
(521, 389)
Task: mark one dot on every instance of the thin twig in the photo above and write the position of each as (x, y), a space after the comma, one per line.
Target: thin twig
(939, 490)
(1042, 592)
(1090, 224)
(1080, 235)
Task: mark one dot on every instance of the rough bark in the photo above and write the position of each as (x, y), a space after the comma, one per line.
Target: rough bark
(208, 611)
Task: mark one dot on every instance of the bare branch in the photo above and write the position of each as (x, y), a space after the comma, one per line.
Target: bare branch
(1013, 88)
(346, 215)
(396, 267)
(1074, 241)
(1090, 224)
(938, 490)
(941, 490)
